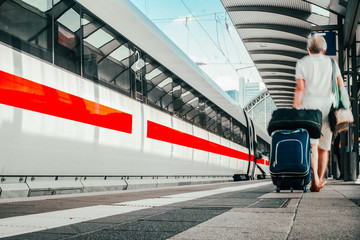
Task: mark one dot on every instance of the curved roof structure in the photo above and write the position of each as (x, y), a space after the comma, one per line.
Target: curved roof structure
(275, 34)
(256, 100)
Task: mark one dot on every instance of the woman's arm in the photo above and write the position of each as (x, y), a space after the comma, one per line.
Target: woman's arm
(299, 92)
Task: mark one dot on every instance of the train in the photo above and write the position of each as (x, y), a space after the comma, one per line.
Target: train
(98, 99)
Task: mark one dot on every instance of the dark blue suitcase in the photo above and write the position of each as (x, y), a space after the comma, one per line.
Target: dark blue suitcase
(290, 159)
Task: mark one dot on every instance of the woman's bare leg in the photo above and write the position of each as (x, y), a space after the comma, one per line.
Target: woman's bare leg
(323, 159)
(315, 181)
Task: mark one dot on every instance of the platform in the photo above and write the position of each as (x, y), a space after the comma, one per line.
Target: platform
(234, 210)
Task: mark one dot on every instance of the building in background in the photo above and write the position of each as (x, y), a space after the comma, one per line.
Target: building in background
(252, 89)
(234, 94)
(244, 91)
(238, 93)
(242, 82)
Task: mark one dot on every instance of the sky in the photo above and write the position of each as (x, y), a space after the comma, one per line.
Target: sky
(202, 29)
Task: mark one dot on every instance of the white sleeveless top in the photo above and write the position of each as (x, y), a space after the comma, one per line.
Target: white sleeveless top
(316, 70)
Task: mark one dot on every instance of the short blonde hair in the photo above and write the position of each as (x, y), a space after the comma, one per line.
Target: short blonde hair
(316, 43)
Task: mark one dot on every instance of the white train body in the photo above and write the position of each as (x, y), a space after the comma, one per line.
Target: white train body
(55, 123)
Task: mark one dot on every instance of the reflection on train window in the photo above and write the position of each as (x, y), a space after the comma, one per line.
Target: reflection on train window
(199, 118)
(67, 36)
(32, 31)
(159, 85)
(226, 126)
(188, 100)
(236, 133)
(264, 147)
(211, 118)
(243, 135)
(106, 56)
(194, 106)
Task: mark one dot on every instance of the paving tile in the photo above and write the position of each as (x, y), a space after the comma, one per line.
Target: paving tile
(190, 215)
(155, 226)
(125, 235)
(205, 233)
(39, 236)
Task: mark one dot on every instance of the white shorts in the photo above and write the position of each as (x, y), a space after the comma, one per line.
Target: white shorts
(323, 104)
(324, 142)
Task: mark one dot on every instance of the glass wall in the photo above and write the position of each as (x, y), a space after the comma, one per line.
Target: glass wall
(66, 34)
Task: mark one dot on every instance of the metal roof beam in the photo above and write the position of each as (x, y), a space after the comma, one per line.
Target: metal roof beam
(275, 94)
(282, 28)
(325, 28)
(324, 4)
(279, 81)
(287, 42)
(282, 98)
(282, 70)
(351, 21)
(291, 12)
(285, 89)
(281, 84)
(279, 62)
(297, 55)
(279, 77)
(283, 101)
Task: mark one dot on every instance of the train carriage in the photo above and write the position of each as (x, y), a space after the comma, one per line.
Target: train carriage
(99, 99)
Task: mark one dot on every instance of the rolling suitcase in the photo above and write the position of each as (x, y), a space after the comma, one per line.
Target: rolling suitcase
(291, 118)
(290, 159)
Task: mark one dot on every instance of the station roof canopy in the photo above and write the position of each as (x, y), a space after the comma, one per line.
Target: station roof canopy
(275, 34)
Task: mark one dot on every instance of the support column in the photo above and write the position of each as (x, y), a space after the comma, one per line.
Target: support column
(355, 104)
(351, 157)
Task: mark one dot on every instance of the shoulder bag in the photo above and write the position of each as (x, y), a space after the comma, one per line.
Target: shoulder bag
(340, 118)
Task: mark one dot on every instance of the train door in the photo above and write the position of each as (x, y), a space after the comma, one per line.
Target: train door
(251, 139)
(253, 151)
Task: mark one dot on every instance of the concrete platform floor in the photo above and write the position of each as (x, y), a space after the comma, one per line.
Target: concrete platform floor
(236, 210)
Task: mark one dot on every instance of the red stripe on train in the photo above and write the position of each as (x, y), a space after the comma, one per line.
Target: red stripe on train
(22, 93)
(262, 161)
(166, 134)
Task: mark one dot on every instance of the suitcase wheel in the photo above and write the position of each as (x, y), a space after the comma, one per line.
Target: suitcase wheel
(278, 189)
(291, 189)
(305, 189)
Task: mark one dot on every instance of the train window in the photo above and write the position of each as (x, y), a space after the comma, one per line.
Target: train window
(198, 114)
(188, 100)
(199, 119)
(106, 56)
(211, 117)
(122, 54)
(191, 115)
(159, 84)
(32, 31)
(67, 32)
(243, 135)
(264, 147)
(226, 126)
(237, 133)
